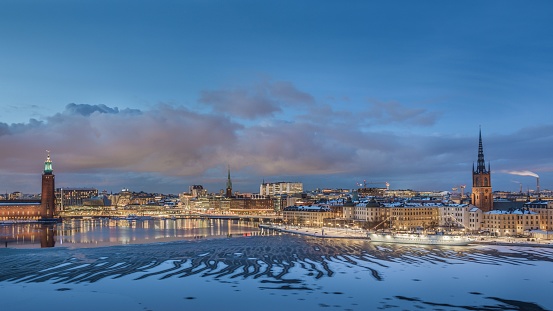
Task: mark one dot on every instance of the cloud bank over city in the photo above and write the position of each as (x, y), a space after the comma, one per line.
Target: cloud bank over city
(329, 96)
(171, 147)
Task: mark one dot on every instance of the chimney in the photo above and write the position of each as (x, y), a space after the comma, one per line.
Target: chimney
(538, 187)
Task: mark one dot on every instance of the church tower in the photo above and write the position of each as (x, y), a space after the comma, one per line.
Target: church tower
(482, 195)
(229, 185)
(48, 197)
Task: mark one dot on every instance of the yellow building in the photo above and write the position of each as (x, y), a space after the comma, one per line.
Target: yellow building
(509, 223)
(545, 210)
(311, 215)
(414, 217)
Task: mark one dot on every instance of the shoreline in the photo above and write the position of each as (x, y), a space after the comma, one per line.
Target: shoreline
(326, 232)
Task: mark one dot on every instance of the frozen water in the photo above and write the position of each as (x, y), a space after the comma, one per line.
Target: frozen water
(276, 273)
(199, 264)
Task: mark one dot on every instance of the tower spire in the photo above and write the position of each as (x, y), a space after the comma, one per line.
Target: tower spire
(229, 184)
(481, 164)
(482, 195)
(48, 164)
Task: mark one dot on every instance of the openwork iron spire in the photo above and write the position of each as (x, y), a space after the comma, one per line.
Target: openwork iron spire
(481, 164)
(229, 182)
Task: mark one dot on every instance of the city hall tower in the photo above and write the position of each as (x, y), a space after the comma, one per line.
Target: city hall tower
(48, 197)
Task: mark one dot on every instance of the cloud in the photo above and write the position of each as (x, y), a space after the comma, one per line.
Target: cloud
(4, 129)
(168, 143)
(394, 112)
(167, 148)
(240, 103)
(87, 110)
(286, 92)
(167, 140)
(262, 100)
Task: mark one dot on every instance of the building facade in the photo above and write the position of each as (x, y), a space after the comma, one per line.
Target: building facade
(510, 223)
(33, 209)
(545, 210)
(415, 217)
(251, 206)
(74, 196)
(411, 216)
(280, 188)
(312, 215)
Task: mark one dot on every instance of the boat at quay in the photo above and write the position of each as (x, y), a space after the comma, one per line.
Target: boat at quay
(419, 238)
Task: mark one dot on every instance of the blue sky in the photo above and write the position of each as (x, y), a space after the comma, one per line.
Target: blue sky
(157, 96)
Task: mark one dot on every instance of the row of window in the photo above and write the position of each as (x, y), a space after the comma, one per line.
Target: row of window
(17, 213)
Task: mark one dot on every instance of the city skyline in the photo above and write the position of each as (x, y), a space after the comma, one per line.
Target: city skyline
(160, 96)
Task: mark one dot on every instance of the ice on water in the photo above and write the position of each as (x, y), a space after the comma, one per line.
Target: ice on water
(277, 273)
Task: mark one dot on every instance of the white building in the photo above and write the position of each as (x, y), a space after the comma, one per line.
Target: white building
(412, 215)
(475, 219)
(280, 188)
(461, 216)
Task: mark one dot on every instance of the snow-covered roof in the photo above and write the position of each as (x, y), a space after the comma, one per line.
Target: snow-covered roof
(511, 212)
(308, 208)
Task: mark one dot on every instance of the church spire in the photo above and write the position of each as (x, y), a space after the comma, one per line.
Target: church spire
(229, 184)
(48, 164)
(481, 164)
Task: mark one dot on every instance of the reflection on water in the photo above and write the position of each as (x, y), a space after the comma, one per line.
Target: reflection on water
(28, 234)
(103, 232)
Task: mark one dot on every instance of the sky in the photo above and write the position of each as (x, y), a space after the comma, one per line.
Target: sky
(156, 96)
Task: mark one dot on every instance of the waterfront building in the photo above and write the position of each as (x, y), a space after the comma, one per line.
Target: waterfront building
(369, 213)
(20, 210)
(219, 205)
(482, 196)
(412, 217)
(280, 188)
(33, 209)
(545, 210)
(126, 198)
(466, 217)
(100, 200)
(308, 215)
(475, 219)
(252, 206)
(510, 223)
(74, 196)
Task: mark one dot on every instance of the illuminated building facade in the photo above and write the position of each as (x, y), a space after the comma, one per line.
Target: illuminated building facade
(280, 188)
(33, 209)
